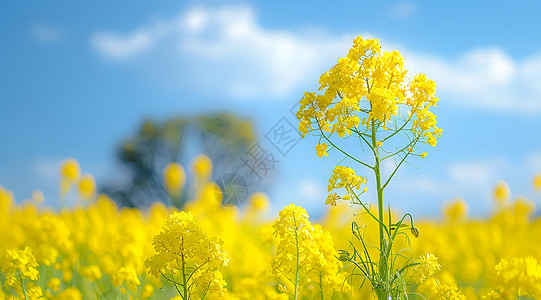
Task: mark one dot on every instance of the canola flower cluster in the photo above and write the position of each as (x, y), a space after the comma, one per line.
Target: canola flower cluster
(373, 83)
(97, 250)
(305, 256)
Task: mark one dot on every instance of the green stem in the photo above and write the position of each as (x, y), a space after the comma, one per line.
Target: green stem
(22, 285)
(383, 266)
(184, 283)
(344, 152)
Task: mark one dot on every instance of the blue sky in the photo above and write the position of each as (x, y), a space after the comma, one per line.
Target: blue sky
(77, 78)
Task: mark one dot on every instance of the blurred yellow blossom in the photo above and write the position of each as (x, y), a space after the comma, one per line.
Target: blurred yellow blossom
(91, 273)
(537, 182)
(501, 193)
(71, 293)
(428, 265)
(456, 211)
(53, 284)
(202, 166)
(87, 187)
(70, 170)
(174, 178)
(519, 277)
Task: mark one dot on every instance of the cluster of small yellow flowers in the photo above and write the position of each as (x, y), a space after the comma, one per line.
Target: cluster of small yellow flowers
(18, 265)
(99, 251)
(33, 291)
(373, 82)
(322, 150)
(183, 248)
(428, 265)
(519, 277)
(423, 91)
(304, 255)
(344, 177)
(174, 178)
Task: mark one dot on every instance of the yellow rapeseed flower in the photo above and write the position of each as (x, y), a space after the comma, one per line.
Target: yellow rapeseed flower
(202, 166)
(181, 247)
(501, 193)
(148, 290)
(456, 211)
(70, 170)
(259, 201)
(174, 178)
(537, 182)
(91, 273)
(87, 187)
(53, 284)
(428, 265)
(322, 150)
(519, 277)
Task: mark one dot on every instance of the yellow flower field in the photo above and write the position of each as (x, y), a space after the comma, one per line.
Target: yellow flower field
(98, 251)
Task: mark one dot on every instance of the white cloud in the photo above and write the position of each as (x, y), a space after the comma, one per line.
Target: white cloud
(226, 51)
(46, 34)
(311, 189)
(401, 10)
(485, 79)
(476, 172)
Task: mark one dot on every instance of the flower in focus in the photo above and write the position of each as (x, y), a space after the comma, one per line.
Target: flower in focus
(300, 241)
(174, 178)
(183, 248)
(344, 177)
(321, 150)
(17, 265)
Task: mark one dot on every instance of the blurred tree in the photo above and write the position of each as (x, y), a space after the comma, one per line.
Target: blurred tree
(223, 137)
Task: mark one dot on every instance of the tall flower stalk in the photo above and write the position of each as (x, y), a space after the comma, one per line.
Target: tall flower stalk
(367, 96)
